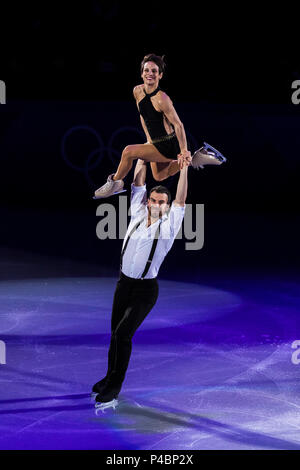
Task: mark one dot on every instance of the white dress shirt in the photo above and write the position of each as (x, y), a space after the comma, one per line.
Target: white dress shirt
(140, 243)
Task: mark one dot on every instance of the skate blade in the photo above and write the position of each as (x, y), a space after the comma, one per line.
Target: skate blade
(103, 406)
(103, 197)
(93, 396)
(216, 152)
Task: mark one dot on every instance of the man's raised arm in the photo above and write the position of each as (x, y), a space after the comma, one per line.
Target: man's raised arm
(140, 171)
(182, 187)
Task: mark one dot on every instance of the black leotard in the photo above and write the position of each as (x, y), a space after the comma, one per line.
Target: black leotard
(154, 121)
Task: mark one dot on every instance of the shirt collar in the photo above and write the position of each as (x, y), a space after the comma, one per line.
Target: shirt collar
(162, 219)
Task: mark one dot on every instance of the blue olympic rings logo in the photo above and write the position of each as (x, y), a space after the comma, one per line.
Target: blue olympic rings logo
(93, 159)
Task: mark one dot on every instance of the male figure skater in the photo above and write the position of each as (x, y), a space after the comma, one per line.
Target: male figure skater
(154, 225)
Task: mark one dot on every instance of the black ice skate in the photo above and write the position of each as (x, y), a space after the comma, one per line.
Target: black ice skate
(98, 387)
(108, 397)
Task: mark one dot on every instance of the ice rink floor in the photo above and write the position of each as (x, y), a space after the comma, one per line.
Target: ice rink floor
(211, 367)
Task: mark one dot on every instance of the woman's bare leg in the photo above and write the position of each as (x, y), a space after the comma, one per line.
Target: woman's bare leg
(161, 171)
(146, 152)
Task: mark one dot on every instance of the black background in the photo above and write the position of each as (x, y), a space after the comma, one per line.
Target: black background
(92, 50)
(229, 74)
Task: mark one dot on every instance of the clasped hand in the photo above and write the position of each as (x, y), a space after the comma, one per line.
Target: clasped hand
(184, 158)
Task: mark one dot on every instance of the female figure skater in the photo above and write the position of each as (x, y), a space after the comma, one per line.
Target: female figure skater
(166, 146)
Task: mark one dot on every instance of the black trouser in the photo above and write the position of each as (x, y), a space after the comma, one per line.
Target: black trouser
(133, 300)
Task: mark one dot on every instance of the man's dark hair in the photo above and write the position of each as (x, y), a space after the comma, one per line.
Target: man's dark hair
(157, 59)
(161, 190)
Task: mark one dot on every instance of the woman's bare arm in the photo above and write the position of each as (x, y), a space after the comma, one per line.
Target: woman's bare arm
(168, 109)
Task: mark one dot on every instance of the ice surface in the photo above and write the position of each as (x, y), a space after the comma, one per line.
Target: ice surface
(210, 367)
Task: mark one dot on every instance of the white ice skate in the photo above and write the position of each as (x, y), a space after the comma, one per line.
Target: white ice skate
(101, 406)
(207, 155)
(109, 188)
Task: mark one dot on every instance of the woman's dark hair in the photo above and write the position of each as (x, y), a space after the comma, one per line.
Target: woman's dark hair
(157, 59)
(161, 189)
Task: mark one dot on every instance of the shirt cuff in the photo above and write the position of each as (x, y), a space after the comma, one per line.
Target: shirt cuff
(135, 188)
(178, 207)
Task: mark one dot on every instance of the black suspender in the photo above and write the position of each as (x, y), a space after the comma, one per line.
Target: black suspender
(125, 246)
(148, 264)
(153, 248)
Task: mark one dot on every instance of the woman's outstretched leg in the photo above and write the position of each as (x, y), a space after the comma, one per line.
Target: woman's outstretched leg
(114, 184)
(146, 152)
(125, 164)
